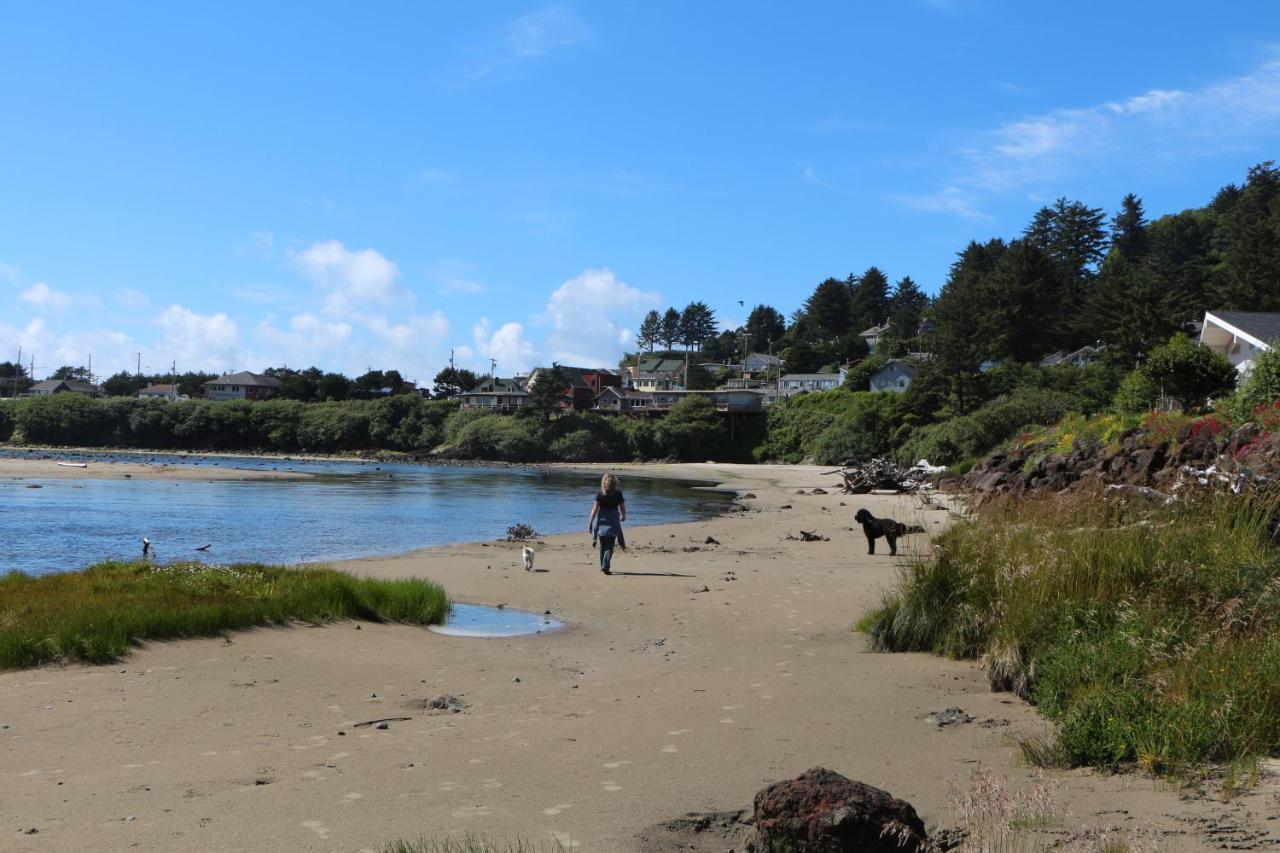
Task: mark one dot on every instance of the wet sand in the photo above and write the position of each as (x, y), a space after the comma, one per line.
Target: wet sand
(688, 680)
(50, 469)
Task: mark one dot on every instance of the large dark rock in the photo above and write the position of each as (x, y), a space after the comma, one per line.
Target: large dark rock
(823, 812)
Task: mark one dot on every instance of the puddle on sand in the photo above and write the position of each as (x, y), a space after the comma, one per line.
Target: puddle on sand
(477, 620)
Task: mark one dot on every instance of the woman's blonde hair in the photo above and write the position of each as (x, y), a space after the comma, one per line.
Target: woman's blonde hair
(608, 484)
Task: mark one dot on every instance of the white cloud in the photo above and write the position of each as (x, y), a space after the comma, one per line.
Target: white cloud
(308, 340)
(1035, 153)
(507, 345)
(41, 295)
(592, 317)
(201, 341)
(453, 276)
(352, 280)
(809, 176)
(526, 39)
(109, 351)
(8, 272)
(434, 176)
(414, 333)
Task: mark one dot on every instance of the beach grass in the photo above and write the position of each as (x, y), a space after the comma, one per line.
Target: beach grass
(1149, 633)
(96, 615)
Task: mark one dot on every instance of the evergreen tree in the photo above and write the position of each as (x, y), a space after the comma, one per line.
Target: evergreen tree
(547, 393)
(869, 300)
(963, 338)
(765, 326)
(697, 324)
(650, 333)
(14, 380)
(74, 374)
(906, 307)
(826, 315)
(670, 328)
(1129, 229)
(452, 381)
(1248, 240)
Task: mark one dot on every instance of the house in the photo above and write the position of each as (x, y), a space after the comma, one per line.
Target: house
(759, 362)
(62, 386)
(794, 383)
(242, 386)
(656, 374)
(895, 376)
(623, 400)
(500, 401)
(159, 392)
(1240, 335)
(873, 336)
(726, 401)
(1082, 357)
(585, 383)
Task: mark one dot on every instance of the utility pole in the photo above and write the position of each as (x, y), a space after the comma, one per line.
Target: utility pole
(493, 369)
(17, 371)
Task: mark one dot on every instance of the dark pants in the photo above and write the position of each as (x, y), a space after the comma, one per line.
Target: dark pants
(606, 551)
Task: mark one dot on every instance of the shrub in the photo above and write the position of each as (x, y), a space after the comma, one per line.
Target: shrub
(1189, 372)
(1261, 386)
(977, 433)
(502, 438)
(693, 430)
(1137, 394)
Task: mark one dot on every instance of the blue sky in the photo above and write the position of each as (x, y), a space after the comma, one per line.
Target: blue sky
(242, 185)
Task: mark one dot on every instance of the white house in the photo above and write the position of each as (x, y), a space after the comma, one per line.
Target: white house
(1240, 335)
(62, 386)
(159, 392)
(759, 362)
(1082, 357)
(873, 335)
(794, 383)
(241, 386)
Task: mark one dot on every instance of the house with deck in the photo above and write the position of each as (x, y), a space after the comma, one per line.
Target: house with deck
(656, 374)
(1239, 336)
(242, 386)
(159, 392)
(503, 396)
(1082, 357)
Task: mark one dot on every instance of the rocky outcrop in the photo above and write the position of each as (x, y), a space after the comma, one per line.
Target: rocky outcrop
(823, 812)
(1195, 456)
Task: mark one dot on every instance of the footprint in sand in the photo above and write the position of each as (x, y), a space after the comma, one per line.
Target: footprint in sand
(735, 707)
(317, 827)
(679, 732)
(347, 799)
(669, 748)
(611, 786)
(726, 720)
(614, 765)
(556, 809)
(492, 784)
(311, 774)
(448, 786)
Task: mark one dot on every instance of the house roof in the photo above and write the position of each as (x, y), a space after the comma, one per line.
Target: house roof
(244, 377)
(69, 384)
(801, 377)
(626, 392)
(874, 331)
(496, 384)
(159, 389)
(907, 365)
(656, 365)
(764, 357)
(1262, 326)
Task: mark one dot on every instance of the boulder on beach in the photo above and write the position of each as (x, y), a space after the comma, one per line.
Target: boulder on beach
(821, 811)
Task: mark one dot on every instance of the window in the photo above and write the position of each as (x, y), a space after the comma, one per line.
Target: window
(902, 383)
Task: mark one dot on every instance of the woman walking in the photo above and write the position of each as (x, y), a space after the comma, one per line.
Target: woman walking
(607, 514)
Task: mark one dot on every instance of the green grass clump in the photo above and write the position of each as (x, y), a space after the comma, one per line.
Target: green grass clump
(94, 616)
(1151, 635)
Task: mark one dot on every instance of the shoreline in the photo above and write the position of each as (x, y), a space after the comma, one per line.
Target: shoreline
(687, 681)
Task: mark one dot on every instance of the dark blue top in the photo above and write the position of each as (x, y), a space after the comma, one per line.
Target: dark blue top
(608, 518)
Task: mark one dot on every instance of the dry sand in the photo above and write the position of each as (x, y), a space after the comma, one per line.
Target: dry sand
(685, 682)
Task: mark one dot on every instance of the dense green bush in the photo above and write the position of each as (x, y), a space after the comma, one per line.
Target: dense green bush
(693, 430)
(1137, 394)
(824, 424)
(502, 438)
(402, 422)
(1189, 372)
(951, 441)
(1261, 387)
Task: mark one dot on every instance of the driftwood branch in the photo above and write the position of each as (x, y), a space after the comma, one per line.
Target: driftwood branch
(382, 720)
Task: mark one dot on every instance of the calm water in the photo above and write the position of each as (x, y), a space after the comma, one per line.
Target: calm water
(348, 510)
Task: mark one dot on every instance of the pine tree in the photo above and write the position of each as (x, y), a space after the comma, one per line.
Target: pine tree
(650, 331)
(906, 307)
(670, 328)
(765, 326)
(826, 314)
(962, 340)
(1248, 240)
(870, 299)
(697, 324)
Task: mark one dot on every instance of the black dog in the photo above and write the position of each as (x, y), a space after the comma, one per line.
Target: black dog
(877, 527)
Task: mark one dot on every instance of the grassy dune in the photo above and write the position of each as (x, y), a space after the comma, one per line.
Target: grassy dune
(1150, 634)
(94, 616)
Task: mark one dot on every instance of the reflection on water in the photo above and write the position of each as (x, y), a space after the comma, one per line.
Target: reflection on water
(349, 510)
(476, 620)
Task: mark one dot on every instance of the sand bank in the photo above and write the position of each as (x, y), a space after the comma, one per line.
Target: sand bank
(688, 680)
(50, 469)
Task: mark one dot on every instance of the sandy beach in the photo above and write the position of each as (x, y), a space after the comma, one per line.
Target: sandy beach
(695, 675)
(34, 468)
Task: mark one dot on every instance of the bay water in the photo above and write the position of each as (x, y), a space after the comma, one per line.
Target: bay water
(345, 510)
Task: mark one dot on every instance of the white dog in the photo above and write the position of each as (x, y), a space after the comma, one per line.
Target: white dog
(528, 558)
